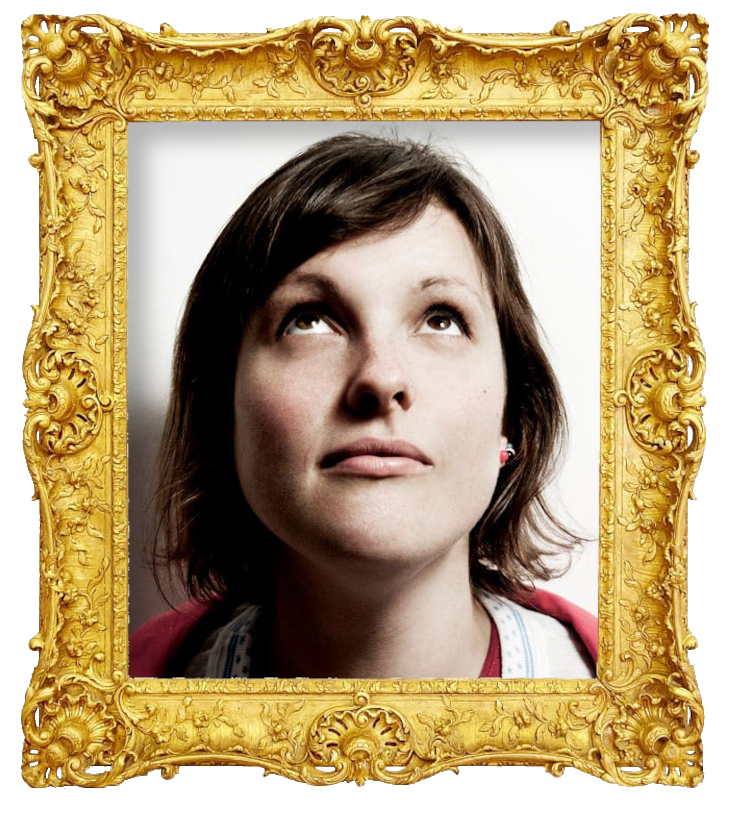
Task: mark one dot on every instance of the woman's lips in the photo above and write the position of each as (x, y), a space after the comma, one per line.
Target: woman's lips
(379, 466)
(378, 458)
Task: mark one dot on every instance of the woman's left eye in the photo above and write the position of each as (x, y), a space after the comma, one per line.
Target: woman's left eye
(307, 322)
(443, 321)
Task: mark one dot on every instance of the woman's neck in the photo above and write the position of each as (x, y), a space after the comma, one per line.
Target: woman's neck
(378, 620)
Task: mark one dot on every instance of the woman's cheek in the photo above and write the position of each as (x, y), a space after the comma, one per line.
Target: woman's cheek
(274, 418)
(478, 434)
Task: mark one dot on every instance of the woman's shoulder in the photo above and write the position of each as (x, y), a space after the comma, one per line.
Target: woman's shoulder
(543, 635)
(158, 644)
(581, 621)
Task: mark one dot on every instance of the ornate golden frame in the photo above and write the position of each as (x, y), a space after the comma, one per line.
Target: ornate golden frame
(84, 79)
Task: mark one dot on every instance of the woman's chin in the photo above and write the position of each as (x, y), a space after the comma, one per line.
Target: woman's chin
(398, 546)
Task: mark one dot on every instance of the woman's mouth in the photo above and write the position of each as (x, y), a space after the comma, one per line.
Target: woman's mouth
(377, 458)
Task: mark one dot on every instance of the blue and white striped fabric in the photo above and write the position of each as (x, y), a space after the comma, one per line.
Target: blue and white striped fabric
(533, 645)
(230, 656)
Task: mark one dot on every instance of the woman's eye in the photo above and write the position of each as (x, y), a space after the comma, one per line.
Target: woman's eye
(443, 321)
(308, 322)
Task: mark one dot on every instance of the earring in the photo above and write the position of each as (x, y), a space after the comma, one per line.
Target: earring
(506, 455)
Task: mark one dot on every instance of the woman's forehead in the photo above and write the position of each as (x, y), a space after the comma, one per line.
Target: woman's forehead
(433, 251)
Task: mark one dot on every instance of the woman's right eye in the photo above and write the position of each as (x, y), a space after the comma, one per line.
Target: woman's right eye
(307, 322)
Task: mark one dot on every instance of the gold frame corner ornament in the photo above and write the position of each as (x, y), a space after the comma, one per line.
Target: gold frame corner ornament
(84, 79)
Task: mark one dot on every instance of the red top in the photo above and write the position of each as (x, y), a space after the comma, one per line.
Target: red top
(155, 647)
(492, 666)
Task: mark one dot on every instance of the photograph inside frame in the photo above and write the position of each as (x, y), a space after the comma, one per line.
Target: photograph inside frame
(284, 497)
(326, 352)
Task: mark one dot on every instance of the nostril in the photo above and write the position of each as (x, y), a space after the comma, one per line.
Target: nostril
(378, 389)
(368, 403)
(371, 402)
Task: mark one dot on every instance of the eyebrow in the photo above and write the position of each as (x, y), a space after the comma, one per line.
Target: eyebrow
(314, 280)
(451, 282)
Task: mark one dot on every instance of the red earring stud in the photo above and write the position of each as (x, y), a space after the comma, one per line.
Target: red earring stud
(506, 455)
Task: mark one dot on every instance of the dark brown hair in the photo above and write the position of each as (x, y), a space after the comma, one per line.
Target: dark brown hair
(334, 190)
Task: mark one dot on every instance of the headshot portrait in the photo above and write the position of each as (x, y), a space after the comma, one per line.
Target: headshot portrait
(363, 397)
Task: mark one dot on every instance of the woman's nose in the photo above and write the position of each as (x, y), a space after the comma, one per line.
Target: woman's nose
(379, 384)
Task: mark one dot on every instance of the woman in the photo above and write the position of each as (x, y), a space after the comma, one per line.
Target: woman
(361, 425)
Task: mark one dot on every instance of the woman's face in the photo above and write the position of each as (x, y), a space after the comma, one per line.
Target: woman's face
(369, 397)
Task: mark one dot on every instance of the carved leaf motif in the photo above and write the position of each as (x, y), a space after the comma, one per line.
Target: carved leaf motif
(663, 400)
(364, 59)
(67, 410)
(67, 64)
(565, 75)
(657, 733)
(283, 730)
(360, 742)
(653, 67)
(283, 73)
(67, 733)
(445, 740)
(442, 72)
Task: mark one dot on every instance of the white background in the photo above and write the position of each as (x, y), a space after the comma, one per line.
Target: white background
(186, 179)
